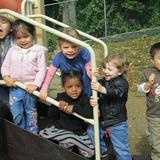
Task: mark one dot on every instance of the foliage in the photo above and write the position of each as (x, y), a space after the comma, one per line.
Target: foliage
(91, 17)
(137, 52)
(121, 15)
(52, 42)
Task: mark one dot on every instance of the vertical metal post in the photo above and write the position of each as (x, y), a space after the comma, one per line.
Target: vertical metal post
(105, 18)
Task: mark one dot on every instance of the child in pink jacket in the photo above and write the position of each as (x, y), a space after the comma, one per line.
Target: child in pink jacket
(25, 62)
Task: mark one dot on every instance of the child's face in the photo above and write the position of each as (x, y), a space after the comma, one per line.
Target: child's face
(73, 87)
(24, 39)
(69, 50)
(111, 71)
(5, 28)
(156, 60)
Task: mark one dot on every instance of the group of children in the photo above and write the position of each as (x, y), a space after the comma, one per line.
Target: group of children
(24, 61)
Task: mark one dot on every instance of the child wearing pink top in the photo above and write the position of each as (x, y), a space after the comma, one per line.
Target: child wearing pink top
(25, 62)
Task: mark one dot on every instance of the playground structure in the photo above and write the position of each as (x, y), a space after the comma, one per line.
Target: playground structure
(26, 10)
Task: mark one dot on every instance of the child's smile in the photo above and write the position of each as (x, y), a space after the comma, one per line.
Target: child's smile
(70, 50)
(111, 71)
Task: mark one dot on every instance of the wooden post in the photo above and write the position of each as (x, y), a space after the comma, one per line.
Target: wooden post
(41, 35)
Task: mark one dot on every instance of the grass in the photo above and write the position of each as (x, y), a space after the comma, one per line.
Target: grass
(137, 51)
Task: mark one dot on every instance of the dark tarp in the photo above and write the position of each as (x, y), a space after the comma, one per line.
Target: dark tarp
(18, 144)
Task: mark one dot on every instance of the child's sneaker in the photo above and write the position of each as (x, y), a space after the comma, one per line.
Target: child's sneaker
(104, 154)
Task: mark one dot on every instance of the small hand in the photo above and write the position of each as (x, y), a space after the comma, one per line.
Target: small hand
(43, 95)
(63, 105)
(31, 88)
(96, 72)
(151, 79)
(9, 81)
(95, 85)
(69, 109)
(93, 102)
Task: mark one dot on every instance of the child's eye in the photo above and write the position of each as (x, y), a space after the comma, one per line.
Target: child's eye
(3, 22)
(17, 38)
(69, 86)
(65, 47)
(26, 36)
(75, 46)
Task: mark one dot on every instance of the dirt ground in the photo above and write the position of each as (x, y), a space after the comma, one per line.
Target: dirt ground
(137, 124)
(136, 107)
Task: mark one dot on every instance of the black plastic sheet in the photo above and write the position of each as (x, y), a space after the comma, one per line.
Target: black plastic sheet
(19, 144)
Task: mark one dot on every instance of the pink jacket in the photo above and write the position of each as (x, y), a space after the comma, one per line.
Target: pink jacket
(27, 66)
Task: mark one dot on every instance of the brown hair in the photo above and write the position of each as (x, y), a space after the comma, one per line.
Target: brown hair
(119, 60)
(7, 19)
(71, 32)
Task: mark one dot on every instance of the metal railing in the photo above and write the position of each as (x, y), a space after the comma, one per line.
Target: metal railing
(80, 32)
(94, 122)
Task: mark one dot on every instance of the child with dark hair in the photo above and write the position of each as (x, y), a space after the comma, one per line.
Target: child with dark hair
(68, 130)
(150, 85)
(25, 62)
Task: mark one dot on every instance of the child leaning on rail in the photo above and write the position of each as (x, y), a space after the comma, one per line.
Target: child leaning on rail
(5, 43)
(67, 130)
(25, 62)
(113, 93)
(150, 85)
(71, 57)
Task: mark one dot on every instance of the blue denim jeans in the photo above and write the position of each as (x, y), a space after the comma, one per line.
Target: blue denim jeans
(23, 109)
(119, 139)
(4, 95)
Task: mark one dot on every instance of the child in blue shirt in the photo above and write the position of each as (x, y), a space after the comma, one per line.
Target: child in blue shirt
(71, 57)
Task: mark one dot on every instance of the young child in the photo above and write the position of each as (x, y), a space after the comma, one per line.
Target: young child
(71, 57)
(68, 130)
(150, 84)
(113, 93)
(5, 44)
(25, 62)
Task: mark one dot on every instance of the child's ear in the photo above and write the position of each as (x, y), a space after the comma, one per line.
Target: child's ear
(120, 72)
(63, 89)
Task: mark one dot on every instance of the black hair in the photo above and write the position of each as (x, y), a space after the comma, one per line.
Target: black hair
(71, 74)
(18, 24)
(155, 47)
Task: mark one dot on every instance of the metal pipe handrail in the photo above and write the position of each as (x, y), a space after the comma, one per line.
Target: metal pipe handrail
(93, 64)
(80, 32)
(50, 100)
(23, 6)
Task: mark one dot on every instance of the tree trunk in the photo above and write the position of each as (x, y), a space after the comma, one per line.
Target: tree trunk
(69, 14)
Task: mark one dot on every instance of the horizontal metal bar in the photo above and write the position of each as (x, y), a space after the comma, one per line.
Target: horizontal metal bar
(50, 100)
